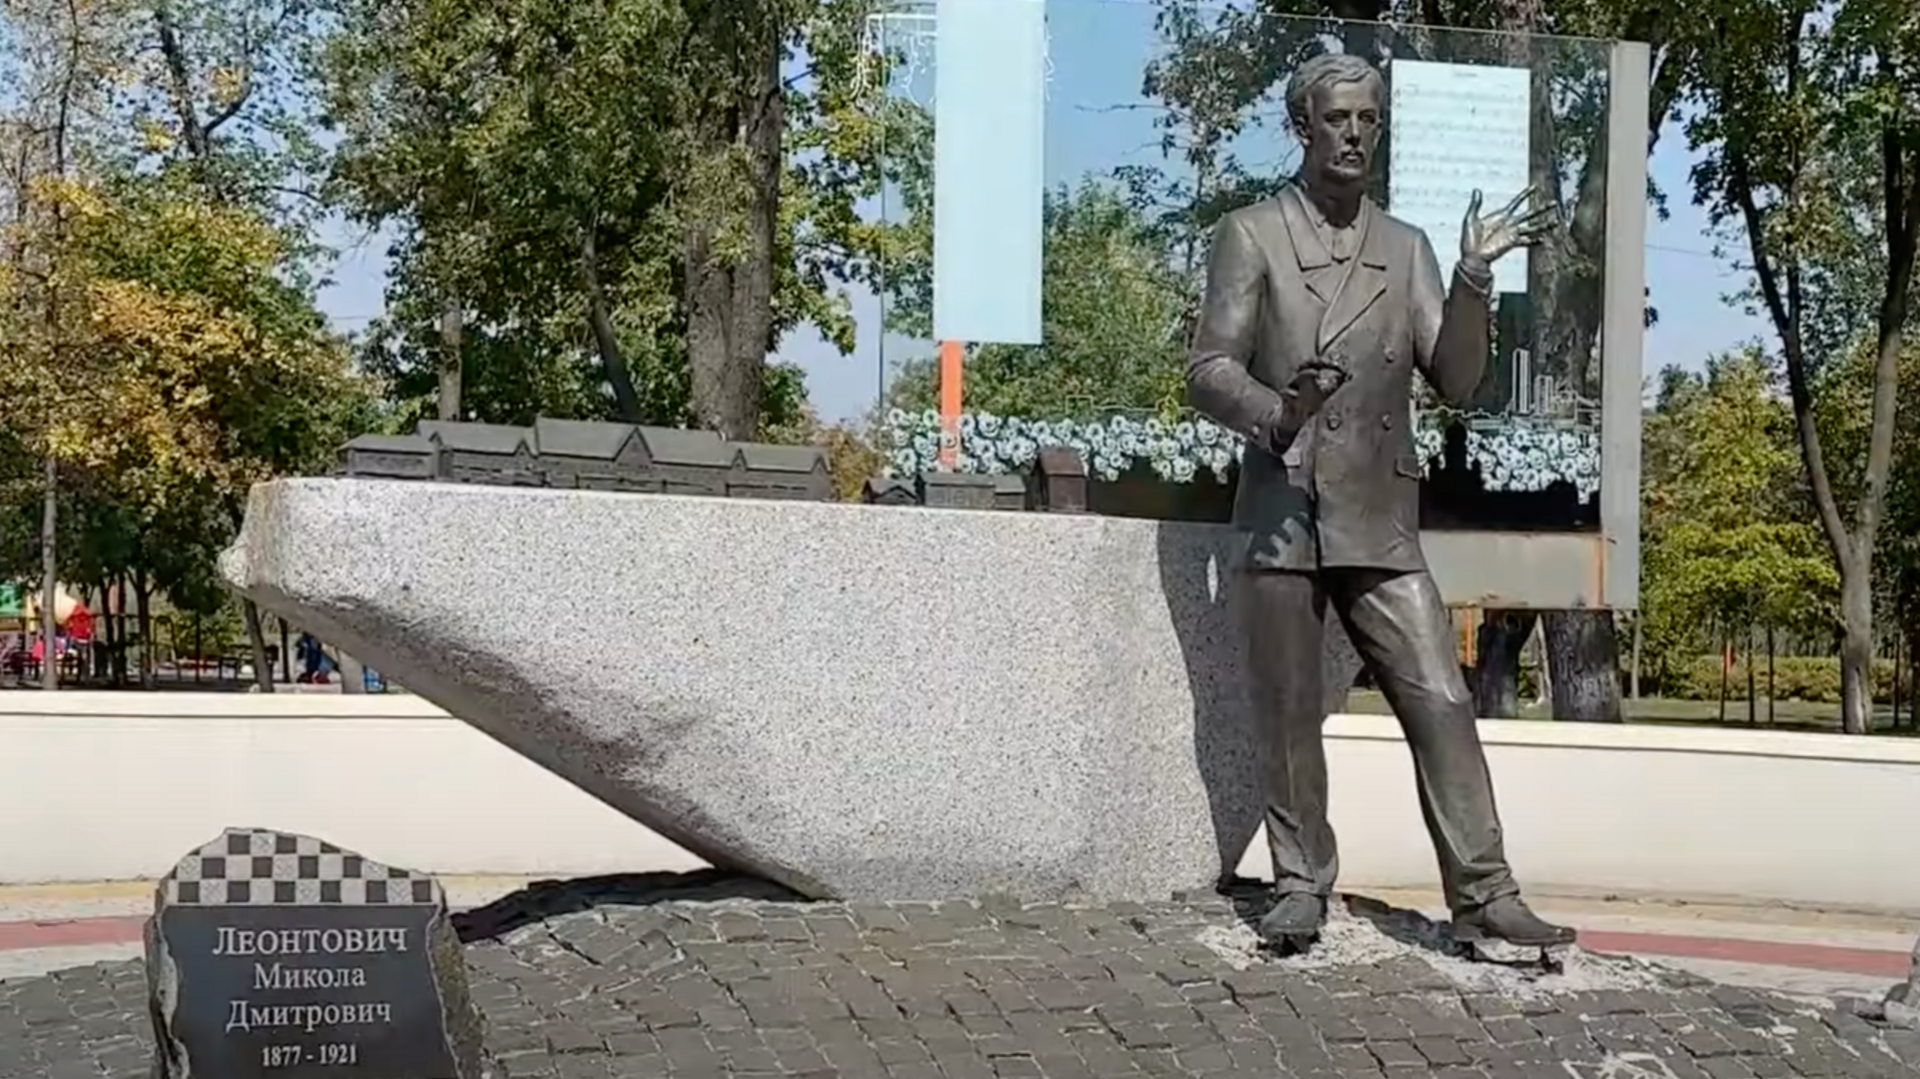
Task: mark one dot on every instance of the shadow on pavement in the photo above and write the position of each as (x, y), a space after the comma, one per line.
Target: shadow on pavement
(553, 898)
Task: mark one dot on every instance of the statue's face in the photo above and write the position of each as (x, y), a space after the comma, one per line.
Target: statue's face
(1342, 129)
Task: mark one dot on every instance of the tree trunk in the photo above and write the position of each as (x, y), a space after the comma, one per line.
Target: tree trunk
(1894, 723)
(613, 361)
(256, 636)
(1637, 624)
(112, 634)
(1913, 681)
(49, 574)
(1856, 649)
(142, 600)
(123, 635)
(730, 301)
(1726, 665)
(1770, 686)
(451, 319)
(1753, 702)
(1582, 656)
(1501, 638)
(1543, 672)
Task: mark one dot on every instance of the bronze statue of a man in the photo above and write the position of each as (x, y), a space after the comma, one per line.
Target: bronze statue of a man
(1319, 307)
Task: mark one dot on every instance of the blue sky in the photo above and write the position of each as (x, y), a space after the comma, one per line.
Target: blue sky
(1097, 120)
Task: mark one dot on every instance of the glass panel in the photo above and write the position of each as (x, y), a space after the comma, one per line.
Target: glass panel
(1159, 118)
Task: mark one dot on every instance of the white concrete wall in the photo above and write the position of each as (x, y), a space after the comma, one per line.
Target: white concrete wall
(110, 786)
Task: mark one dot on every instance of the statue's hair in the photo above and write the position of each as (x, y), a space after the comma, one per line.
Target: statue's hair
(1327, 69)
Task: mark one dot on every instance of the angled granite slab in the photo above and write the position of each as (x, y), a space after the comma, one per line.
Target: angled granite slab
(855, 701)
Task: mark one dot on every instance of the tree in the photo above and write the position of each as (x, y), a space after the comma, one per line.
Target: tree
(65, 59)
(664, 186)
(200, 371)
(1798, 108)
(1728, 542)
(220, 97)
(1843, 403)
(161, 238)
(222, 106)
(1112, 306)
(514, 374)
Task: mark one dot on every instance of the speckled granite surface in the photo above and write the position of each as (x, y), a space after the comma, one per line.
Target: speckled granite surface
(863, 702)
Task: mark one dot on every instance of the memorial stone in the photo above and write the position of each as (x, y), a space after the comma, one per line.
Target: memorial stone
(273, 954)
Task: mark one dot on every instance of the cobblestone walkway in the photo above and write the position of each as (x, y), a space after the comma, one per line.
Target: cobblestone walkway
(1004, 991)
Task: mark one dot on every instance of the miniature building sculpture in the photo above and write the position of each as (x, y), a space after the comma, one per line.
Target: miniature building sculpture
(886, 491)
(787, 472)
(600, 456)
(1059, 480)
(1009, 492)
(391, 457)
(484, 453)
(593, 455)
(956, 491)
(689, 462)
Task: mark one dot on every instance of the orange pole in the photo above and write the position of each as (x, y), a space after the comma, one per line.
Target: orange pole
(950, 355)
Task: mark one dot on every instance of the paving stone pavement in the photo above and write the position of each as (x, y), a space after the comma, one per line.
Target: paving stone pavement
(999, 990)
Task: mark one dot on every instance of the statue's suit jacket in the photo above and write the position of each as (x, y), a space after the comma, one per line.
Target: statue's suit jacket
(1344, 488)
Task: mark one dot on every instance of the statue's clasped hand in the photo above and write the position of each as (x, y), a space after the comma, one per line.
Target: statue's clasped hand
(1521, 223)
(1314, 383)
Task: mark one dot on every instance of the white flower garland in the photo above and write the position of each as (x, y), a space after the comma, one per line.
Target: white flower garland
(1513, 453)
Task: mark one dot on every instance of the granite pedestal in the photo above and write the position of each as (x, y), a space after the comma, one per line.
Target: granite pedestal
(856, 701)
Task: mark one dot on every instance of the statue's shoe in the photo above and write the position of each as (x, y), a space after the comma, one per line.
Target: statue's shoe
(1295, 916)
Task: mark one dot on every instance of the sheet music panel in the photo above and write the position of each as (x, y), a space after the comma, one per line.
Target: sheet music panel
(1454, 128)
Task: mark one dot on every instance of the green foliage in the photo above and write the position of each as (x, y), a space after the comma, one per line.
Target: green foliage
(1810, 145)
(852, 459)
(1844, 414)
(161, 346)
(1797, 116)
(1795, 678)
(1113, 323)
(581, 180)
(1727, 543)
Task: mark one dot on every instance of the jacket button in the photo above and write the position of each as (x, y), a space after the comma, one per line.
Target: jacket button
(1390, 356)
(1333, 421)
(1386, 421)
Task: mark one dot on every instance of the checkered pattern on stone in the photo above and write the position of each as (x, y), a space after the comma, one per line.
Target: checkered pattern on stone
(247, 867)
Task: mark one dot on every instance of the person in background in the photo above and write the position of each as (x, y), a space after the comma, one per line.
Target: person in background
(316, 666)
(79, 630)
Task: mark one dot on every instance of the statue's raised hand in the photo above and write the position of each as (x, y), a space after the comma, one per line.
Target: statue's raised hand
(1520, 223)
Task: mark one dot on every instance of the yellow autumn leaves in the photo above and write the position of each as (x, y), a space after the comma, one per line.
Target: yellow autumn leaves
(147, 335)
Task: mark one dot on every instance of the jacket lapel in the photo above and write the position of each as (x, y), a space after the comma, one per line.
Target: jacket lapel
(1316, 262)
(1365, 280)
